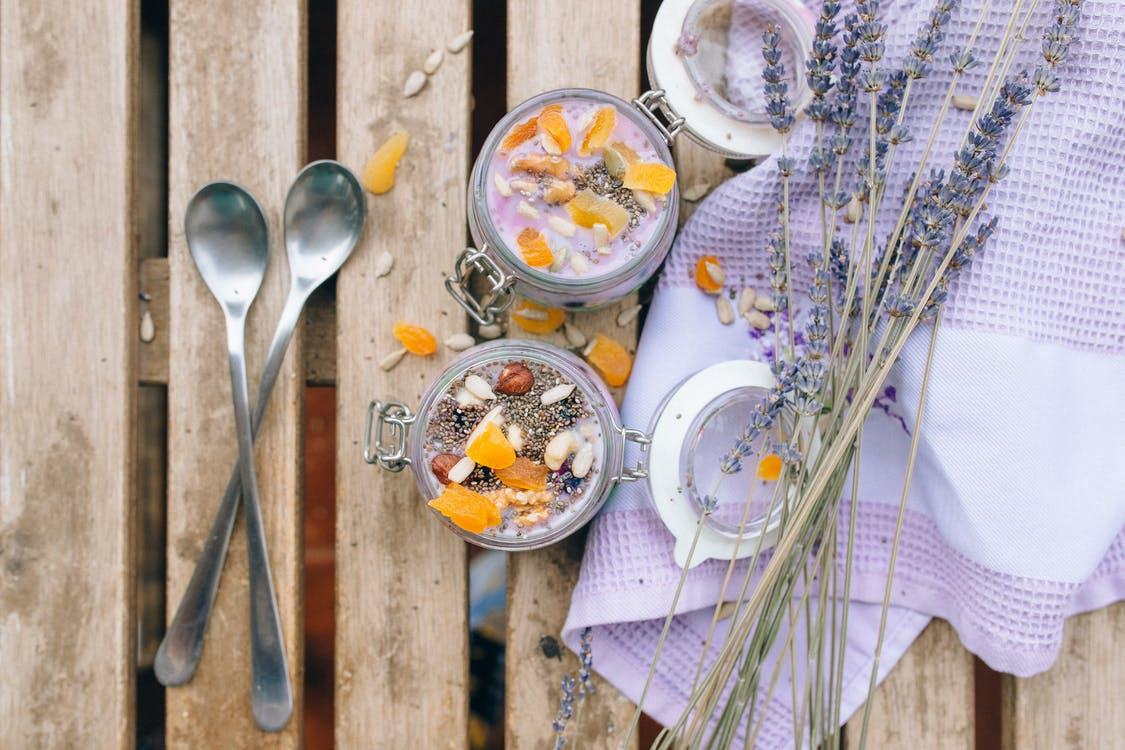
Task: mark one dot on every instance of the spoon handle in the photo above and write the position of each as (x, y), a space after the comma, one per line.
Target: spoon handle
(180, 650)
(271, 696)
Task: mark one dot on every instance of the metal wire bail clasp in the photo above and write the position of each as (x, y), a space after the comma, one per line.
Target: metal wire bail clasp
(640, 471)
(654, 104)
(496, 300)
(388, 423)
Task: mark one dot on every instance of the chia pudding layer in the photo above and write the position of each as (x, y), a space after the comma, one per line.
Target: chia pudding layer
(529, 426)
(538, 200)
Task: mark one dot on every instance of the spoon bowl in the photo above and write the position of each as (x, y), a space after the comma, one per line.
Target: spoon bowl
(227, 235)
(324, 215)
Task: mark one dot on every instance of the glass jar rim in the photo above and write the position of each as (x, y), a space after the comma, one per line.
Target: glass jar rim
(478, 186)
(601, 404)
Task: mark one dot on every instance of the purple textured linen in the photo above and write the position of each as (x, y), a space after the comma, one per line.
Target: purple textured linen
(1017, 510)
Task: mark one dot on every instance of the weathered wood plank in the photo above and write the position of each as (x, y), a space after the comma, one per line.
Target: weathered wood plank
(927, 699)
(1077, 703)
(602, 51)
(68, 369)
(401, 577)
(236, 111)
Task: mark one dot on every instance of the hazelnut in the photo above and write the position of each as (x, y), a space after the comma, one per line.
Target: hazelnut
(441, 464)
(515, 380)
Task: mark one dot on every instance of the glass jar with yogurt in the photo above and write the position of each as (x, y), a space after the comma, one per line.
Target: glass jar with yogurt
(516, 445)
(573, 201)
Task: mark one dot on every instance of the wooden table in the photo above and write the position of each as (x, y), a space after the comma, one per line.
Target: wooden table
(84, 402)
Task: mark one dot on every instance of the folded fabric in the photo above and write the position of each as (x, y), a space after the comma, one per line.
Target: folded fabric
(1016, 513)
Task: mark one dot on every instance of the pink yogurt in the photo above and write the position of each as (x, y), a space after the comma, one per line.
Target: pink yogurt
(504, 211)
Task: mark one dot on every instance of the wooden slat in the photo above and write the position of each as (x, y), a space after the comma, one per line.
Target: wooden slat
(401, 577)
(67, 374)
(237, 111)
(602, 51)
(1077, 703)
(927, 699)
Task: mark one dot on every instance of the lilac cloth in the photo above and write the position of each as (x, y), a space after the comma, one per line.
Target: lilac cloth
(1017, 508)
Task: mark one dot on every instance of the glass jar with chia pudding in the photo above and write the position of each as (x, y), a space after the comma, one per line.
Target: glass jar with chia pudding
(516, 445)
(573, 200)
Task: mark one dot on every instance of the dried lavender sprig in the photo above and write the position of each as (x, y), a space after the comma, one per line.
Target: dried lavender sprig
(925, 44)
(763, 418)
(586, 664)
(778, 106)
(565, 712)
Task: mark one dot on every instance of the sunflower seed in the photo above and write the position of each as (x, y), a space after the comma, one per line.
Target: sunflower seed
(550, 145)
(562, 226)
(764, 302)
(601, 239)
(515, 437)
(461, 470)
(383, 263)
(525, 187)
(388, 362)
(583, 461)
(490, 331)
(502, 185)
(758, 319)
(464, 398)
(746, 300)
(558, 448)
(965, 102)
(559, 255)
(645, 200)
(433, 62)
(694, 192)
(725, 309)
(459, 342)
(479, 387)
(579, 263)
(459, 42)
(614, 162)
(716, 272)
(574, 336)
(527, 210)
(148, 328)
(415, 82)
(556, 394)
(628, 315)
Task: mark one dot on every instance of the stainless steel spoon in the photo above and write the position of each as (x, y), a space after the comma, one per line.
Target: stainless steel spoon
(226, 233)
(324, 216)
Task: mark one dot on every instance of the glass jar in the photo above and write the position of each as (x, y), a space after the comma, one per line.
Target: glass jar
(577, 208)
(532, 393)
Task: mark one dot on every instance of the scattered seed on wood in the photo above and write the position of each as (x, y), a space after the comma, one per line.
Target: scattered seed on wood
(854, 211)
(758, 319)
(148, 327)
(459, 342)
(459, 42)
(502, 185)
(383, 264)
(574, 336)
(388, 362)
(694, 192)
(746, 300)
(724, 309)
(415, 82)
(628, 315)
(562, 226)
(490, 331)
(965, 102)
(715, 272)
(764, 302)
(433, 62)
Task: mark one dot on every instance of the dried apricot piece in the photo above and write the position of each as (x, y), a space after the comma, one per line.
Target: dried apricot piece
(524, 474)
(612, 361)
(601, 128)
(535, 318)
(626, 153)
(469, 510)
(556, 166)
(520, 132)
(490, 448)
(552, 122)
(709, 274)
(534, 248)
(769, 468)
(651, 176)
(587, 208)
(379, 172)
(415, 339)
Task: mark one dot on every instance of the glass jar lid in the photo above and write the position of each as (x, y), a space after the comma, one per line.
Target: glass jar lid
(693, 429)
(705, 55)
